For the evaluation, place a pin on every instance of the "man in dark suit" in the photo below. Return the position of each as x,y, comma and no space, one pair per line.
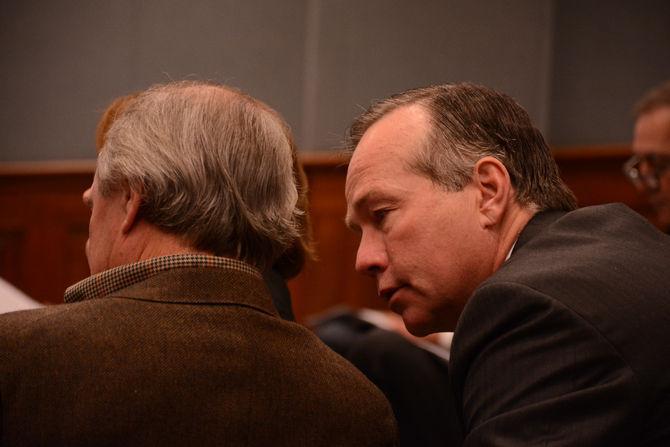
561,315
173,340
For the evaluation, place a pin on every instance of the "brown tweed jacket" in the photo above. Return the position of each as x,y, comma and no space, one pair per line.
180,356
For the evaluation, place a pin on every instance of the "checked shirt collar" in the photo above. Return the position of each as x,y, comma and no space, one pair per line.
112,280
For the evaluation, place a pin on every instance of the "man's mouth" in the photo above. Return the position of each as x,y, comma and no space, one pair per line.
387,293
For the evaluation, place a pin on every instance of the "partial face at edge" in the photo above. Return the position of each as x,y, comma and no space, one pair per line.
652,136
104,228
424,245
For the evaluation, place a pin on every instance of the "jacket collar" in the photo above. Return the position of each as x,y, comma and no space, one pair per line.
196,279
535,225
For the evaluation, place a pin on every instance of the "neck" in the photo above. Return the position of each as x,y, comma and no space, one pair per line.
514,221
147,241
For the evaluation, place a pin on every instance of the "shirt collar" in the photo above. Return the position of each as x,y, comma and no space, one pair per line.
509,253
115,279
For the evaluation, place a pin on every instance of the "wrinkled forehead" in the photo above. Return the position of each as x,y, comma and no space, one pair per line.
384,157
371,168
391,142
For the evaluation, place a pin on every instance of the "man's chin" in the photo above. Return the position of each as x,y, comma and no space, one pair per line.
418,324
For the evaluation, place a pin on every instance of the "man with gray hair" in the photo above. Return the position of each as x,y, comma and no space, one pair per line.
173,340
561,315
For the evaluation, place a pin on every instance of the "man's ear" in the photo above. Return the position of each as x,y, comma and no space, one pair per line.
133,200
494,185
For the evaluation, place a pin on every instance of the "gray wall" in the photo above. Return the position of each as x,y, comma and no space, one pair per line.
575,65
606,55
373,48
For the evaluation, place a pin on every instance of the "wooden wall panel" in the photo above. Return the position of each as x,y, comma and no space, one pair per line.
43,204
43,225
330,280
12,243
596,176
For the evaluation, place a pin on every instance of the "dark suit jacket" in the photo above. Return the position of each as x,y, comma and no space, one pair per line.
187,357
568,344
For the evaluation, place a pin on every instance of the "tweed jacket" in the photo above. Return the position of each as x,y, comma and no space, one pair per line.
568,343
179,350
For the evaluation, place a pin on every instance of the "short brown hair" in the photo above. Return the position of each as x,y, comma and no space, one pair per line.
654,99
469,122
108,117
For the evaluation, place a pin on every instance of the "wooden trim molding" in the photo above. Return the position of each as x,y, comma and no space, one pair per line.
55,167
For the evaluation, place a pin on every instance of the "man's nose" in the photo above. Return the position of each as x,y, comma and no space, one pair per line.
648,176
371,257
86,197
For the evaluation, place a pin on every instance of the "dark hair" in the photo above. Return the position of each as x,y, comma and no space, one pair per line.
469,122
654,99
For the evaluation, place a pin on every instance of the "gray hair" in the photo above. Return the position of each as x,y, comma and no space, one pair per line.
211,164
469,122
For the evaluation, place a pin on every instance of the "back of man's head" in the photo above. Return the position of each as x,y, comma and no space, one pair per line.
212,166
469,122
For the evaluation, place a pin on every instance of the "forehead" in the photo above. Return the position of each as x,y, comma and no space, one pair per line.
652,131
388,146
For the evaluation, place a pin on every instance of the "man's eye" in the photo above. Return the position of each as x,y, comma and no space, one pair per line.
379,215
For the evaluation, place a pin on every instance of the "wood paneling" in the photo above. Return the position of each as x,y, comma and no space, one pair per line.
330,280
43,227
596,176
43,224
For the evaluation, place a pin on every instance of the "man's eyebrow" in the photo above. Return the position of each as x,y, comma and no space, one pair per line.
350,224
364,201
357,205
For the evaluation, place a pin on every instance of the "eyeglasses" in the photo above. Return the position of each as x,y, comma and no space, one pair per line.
645,171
